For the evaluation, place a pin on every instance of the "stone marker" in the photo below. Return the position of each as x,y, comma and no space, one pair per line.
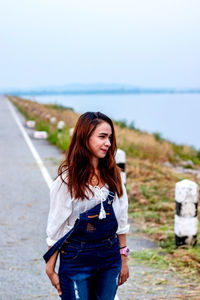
71,131
120,159
30,123
40,135
60,125
186,220
53,120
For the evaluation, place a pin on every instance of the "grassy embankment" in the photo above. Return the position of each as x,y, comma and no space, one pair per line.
150,183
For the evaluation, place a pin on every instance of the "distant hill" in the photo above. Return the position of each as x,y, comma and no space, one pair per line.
78,89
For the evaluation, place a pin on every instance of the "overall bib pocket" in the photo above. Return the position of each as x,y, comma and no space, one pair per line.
69,252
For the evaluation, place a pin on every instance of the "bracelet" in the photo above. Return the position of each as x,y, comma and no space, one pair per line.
122,247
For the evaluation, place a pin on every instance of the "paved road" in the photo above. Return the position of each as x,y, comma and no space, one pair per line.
24,203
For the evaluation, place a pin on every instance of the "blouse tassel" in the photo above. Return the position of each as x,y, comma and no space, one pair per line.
102,214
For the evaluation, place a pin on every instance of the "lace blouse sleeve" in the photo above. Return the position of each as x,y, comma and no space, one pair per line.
123,226
59,212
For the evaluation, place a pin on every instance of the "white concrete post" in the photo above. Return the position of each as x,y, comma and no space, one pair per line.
186,220
60,125
30,123
71,131
42,135
53,120
120,159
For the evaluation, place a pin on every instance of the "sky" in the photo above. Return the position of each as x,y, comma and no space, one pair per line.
146,43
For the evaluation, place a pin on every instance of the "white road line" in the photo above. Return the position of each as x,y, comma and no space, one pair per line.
39,161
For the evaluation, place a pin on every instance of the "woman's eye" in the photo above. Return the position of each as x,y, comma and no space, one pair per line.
103,136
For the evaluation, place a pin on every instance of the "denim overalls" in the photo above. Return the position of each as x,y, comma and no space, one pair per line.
90,261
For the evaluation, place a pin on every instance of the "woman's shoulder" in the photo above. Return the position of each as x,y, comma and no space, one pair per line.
124,195
60,182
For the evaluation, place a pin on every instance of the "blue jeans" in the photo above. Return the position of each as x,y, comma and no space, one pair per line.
90,271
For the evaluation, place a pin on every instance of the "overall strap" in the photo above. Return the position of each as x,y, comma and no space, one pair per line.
59,243
111,195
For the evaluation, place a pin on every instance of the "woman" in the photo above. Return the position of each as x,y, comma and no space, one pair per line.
87,222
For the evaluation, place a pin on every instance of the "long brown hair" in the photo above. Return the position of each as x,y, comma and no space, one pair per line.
77,164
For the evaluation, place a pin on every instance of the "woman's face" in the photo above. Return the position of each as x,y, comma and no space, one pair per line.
100,140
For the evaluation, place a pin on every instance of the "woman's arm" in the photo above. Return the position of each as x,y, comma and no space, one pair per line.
50,270
122,240
123,228
60,210
124,274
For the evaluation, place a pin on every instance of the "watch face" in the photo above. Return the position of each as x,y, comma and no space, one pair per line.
125,251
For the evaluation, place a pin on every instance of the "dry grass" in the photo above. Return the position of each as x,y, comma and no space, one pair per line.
144,145
35,110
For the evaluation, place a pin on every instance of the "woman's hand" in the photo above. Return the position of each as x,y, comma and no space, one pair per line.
124,273
50,270
54,278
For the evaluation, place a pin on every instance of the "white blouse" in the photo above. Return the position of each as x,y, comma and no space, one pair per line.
64,210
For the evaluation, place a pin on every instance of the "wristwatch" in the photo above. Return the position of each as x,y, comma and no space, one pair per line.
125,251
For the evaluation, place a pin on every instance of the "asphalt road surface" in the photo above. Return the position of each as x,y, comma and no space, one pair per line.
24,204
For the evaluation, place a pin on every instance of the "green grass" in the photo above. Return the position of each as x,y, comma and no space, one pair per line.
133,151
60,139
24,112
42,125
178,150
124,124
158,136
155,258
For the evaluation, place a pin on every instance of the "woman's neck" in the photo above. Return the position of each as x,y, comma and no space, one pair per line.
96,179
95,162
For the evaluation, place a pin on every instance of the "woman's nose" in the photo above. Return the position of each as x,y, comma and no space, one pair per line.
108,143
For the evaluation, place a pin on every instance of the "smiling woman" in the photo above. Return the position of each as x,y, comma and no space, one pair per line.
87,221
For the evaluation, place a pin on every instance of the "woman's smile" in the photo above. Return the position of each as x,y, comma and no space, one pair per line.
104,150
